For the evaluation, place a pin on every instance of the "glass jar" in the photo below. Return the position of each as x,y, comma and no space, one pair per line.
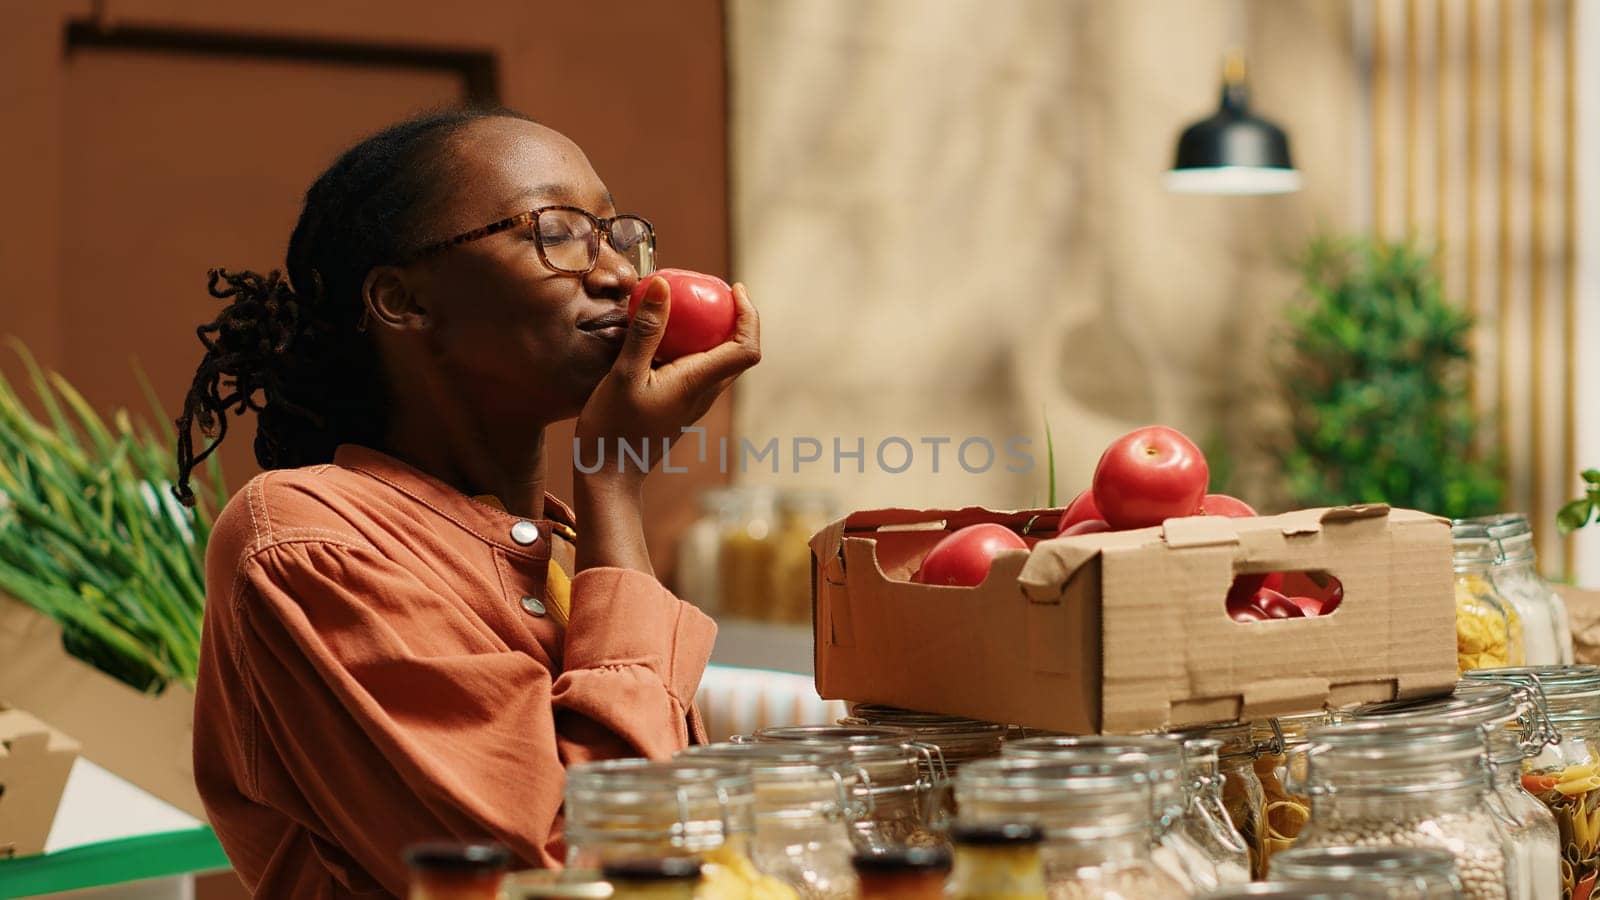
898,785
803,807
1506,712
668,878
1162,758
1099,821
1280,764
801,514
1546,629
555,884
1564,774
1205,820
906,873
699,578
625,809
1382,784
745,559
1488,630
1404,873
958,741
1242,796
445,870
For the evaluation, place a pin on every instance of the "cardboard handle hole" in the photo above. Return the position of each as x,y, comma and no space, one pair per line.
1262,596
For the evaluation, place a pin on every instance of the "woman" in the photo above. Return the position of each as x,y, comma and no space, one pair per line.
393,649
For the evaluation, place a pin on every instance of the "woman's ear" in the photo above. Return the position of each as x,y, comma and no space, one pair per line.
392,302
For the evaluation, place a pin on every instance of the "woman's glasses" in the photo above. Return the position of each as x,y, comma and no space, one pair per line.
568,238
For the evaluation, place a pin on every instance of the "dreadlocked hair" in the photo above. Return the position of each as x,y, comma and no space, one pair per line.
290,346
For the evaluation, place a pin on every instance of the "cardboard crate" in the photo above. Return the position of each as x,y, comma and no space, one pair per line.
35,761
1128,631
144,738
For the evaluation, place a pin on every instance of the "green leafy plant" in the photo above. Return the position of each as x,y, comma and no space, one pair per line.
1583,510
1378,385
91,536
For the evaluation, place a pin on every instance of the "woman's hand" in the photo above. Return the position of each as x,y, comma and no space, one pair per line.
646,409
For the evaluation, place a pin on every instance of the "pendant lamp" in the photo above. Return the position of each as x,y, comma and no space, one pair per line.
1234,151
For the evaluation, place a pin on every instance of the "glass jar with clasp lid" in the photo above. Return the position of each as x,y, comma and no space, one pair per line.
1515,718
1564,774
803,810
958,740
1402,873
1374,783
628,809
1546,629
898,783
1488,629
1205,819
1241,792
1279,763
1098,819
1162,758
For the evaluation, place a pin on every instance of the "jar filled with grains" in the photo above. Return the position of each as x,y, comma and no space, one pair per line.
1381,784
1507,712
1162,759
1565,775
1404,873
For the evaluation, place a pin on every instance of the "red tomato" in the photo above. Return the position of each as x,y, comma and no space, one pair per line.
700,312
1223,505
1311,606
963,557
1148,476
1087,526
1273,580
1081,509
1333,597
1276,605
1246,614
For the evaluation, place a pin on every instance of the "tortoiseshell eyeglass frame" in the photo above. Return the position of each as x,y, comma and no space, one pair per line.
602,227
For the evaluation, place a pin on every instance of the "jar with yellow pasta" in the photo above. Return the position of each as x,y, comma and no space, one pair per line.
1488,630
1280,763
1565,775
629,809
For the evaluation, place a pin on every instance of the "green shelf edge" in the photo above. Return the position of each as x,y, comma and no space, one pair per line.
113,862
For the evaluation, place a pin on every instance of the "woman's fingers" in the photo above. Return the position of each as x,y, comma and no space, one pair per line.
645,331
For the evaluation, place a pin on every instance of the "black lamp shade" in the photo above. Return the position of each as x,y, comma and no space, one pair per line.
1233,152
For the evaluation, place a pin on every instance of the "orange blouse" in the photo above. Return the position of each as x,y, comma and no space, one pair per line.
380,665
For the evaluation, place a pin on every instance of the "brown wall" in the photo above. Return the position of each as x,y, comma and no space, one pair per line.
151,139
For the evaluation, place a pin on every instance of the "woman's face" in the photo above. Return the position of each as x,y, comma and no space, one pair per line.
516,337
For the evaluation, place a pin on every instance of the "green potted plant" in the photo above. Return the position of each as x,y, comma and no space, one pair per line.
1378,385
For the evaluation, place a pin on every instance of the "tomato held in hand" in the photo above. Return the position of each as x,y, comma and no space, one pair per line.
700,313
1148,476
962,558
1223,505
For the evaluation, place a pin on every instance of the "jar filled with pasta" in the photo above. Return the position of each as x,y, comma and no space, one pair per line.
1162,761
1565,775
1384,784
627,809
897,787
1098,821
1546,628
1515,719
1402,873
1488,630
803,808
1281,743
1242,797
1206,820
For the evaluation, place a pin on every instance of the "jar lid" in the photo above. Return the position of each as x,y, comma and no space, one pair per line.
1385,749
666,868
675,803
1471,546
792,781
1381,864
1492,705
1237,738
1073,799
1300,890
1160,757
849,735
1512,535
902,860
1007,834
456,856
1560,685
